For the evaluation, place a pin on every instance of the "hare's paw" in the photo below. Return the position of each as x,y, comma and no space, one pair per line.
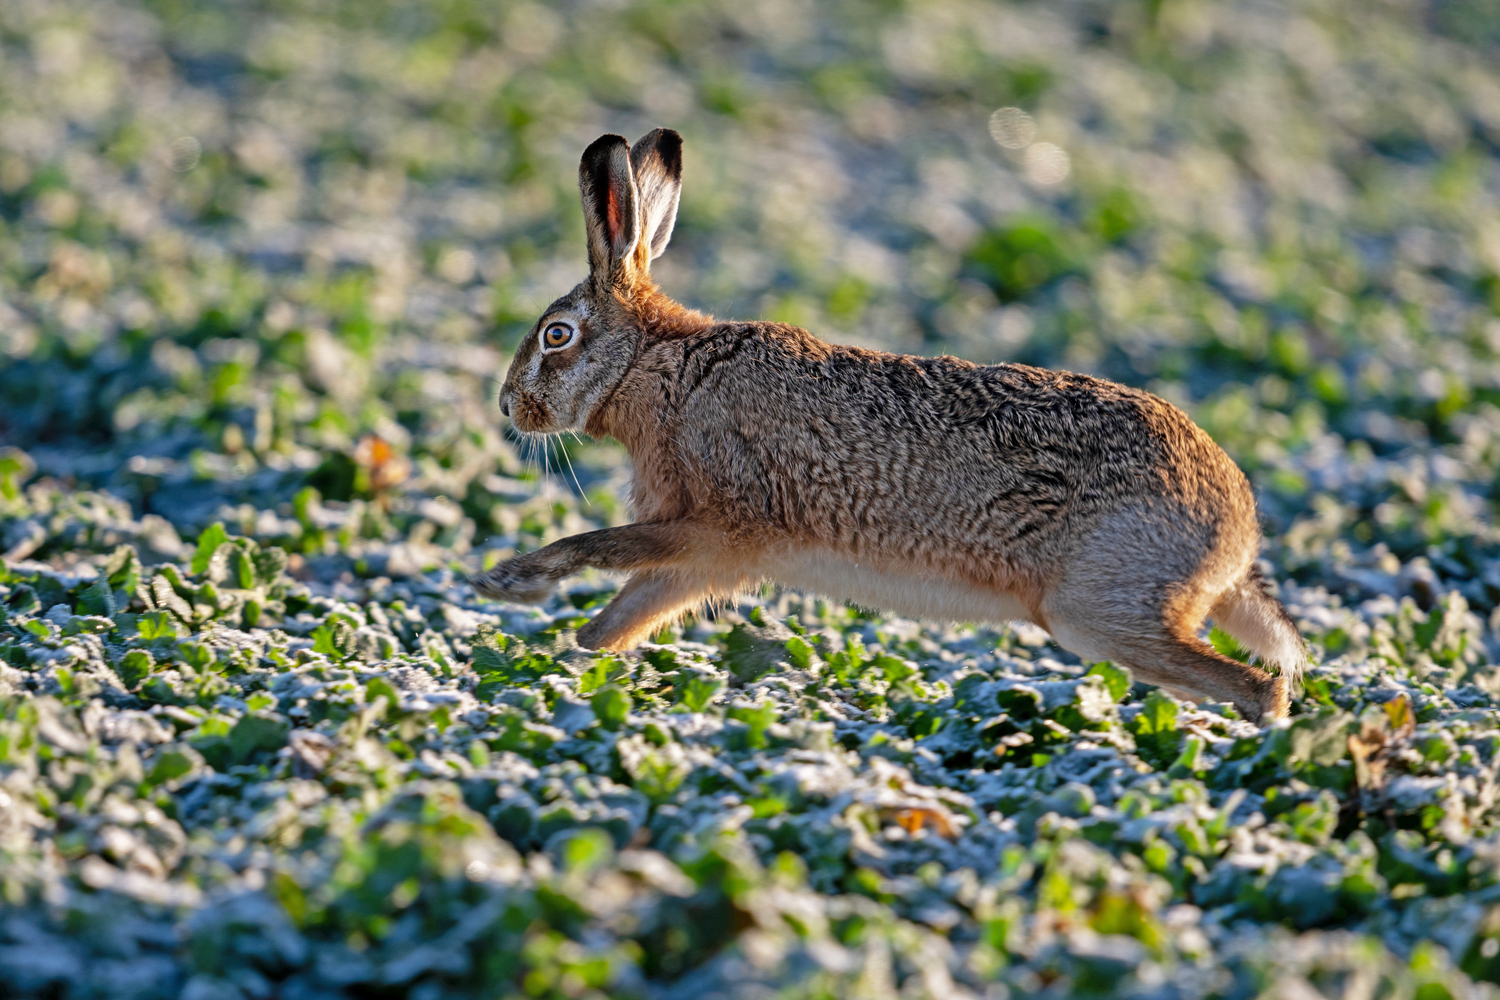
518,580
597,634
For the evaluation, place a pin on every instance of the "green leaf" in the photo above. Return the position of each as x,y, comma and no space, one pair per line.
164,590
1155,729
925,723
1117,680
587,849
799,653
379,687
123,570
24,600
173,764
1092,706
1020,701
98,599
1025,255
1188,762
15,468
91,624
489,652
1314,821
270,566
198,655
1322,739
611,705
156,689
135,667
698,692
752,651
208,542
257,732
758,718
285,890
1159,714
334,639
156,625
517,735
502,661
305,506
767,806
595,677
208,594
1318,689
655,774
1227,645
894,669
242,569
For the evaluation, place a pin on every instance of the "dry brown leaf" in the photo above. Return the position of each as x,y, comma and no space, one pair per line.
387,467
1399,711
1368,752
912,819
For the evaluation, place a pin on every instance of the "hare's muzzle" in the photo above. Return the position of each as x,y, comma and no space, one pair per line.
526,412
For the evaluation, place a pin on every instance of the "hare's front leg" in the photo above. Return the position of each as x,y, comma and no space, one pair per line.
529,578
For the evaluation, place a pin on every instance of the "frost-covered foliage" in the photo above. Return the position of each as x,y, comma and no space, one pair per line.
260,267
222,780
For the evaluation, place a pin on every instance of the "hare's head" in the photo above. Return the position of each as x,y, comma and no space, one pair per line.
584,343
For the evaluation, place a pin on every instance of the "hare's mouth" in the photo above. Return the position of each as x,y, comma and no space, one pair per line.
530,414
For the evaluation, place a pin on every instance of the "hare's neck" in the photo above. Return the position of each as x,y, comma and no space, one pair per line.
658,483
639,416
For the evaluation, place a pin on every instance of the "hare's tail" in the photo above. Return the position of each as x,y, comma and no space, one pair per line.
1258,620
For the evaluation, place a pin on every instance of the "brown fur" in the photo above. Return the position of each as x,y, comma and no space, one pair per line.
927,486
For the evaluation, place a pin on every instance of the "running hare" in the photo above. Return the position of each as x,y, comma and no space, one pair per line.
930,487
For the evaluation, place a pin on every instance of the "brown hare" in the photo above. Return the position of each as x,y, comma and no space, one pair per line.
929,487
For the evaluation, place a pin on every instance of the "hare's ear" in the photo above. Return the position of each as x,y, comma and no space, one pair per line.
610,209
657,162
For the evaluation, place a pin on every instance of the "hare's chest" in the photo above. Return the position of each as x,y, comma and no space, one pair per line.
904,590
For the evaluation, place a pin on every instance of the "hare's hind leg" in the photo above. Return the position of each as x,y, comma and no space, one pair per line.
1137,594
1183,664
1191,666
1260,622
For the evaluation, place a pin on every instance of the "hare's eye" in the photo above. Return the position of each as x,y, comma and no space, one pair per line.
557,335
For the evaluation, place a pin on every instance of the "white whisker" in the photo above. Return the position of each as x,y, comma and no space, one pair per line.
562,448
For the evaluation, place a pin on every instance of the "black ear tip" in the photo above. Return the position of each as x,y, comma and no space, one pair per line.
603,145
665,144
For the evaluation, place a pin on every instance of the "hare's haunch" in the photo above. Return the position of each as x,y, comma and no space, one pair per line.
930,487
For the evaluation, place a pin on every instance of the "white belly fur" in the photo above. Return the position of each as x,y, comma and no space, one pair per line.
904,592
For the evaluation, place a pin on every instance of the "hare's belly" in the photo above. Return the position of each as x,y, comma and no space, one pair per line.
898,590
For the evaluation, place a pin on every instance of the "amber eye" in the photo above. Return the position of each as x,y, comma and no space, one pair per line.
557,335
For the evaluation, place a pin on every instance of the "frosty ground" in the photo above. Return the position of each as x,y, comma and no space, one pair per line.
261,266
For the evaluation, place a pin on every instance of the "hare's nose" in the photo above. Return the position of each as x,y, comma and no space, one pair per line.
505,403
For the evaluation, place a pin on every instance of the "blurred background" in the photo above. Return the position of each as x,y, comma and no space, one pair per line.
265,261
262,267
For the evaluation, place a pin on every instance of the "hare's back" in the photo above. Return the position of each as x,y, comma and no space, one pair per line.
849,444
1057,436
